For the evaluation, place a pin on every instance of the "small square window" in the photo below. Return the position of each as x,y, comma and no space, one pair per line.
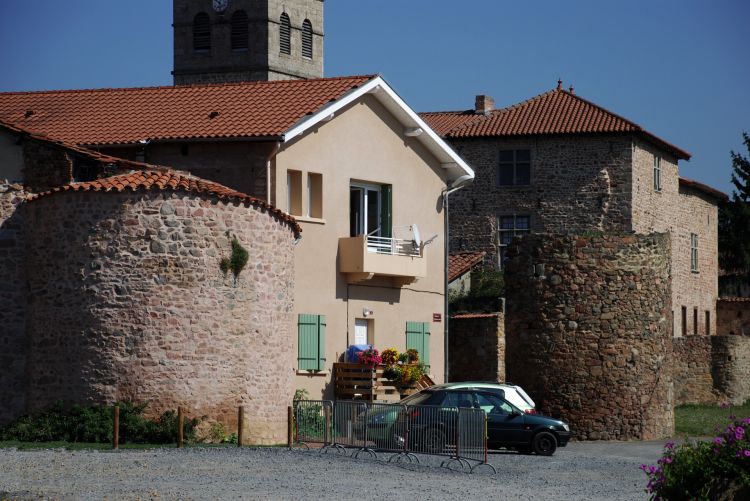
514,168
510,227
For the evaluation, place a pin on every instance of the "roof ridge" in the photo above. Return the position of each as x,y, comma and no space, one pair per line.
458,112
200,186
187,86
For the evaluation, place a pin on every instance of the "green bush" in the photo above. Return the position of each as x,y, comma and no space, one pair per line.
702,470
487,287
94,424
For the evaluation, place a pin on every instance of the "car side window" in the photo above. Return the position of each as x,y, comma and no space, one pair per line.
458,399
491,404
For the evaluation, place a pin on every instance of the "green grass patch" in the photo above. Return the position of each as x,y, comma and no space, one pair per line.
703,420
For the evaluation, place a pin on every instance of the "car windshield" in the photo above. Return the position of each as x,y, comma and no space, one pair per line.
418,398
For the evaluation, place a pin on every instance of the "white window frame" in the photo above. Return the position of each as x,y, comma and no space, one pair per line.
515,232
364,216
657,173
694,252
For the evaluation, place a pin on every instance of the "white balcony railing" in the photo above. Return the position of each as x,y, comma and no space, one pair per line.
393,246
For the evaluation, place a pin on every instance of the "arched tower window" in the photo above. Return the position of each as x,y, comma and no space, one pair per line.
239,30
307,39
285,34
201,32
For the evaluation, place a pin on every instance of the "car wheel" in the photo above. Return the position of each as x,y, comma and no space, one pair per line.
434,441
544,443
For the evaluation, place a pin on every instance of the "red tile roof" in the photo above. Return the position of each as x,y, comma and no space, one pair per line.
735,299
121,116
475,315
704,188
443,122
174,181
93,155
555,112
461,262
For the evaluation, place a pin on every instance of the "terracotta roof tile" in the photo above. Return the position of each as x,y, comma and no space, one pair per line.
461,262
555,112
704,188
85,152
735,299
475,315
173,181
121,116
443,122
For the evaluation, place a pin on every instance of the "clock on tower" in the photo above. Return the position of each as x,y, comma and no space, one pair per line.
221,5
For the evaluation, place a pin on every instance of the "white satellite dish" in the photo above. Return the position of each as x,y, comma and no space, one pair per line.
417,238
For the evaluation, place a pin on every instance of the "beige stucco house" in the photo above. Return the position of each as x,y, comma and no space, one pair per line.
360,172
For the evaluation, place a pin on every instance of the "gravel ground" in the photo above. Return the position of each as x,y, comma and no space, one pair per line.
587,470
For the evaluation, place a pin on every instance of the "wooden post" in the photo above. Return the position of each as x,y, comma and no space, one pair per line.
326,434
180,425
290,426
240,425
116,427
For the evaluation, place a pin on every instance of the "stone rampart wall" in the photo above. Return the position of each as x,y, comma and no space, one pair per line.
12,301
693,381
127,302
477,347
587,331
730,361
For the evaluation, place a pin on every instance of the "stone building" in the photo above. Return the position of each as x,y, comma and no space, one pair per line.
246,40
558,163
114,289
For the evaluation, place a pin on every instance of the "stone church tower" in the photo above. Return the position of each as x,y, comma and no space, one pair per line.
244,40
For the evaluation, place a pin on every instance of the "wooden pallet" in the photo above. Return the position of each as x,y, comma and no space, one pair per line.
356,381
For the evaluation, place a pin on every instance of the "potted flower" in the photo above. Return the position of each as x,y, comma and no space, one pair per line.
370,357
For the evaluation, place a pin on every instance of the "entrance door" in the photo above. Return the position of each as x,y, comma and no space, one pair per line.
360,331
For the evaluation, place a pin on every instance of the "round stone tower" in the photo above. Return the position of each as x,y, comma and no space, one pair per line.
128,301
587,331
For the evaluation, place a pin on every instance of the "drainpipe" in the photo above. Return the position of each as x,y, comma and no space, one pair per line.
271,154
454,186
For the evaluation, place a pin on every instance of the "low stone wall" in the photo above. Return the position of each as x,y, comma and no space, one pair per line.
733,316
12,302
692,362
477,347
127,302
730,360
587,331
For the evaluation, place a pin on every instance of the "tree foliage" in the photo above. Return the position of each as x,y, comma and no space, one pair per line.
734,216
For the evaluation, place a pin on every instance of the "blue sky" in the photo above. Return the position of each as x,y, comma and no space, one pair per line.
677,68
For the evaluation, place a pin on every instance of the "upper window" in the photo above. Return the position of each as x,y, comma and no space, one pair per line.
370,210
201,33
307,39
514,168
239,34
285,34
693,252
657,173
508,228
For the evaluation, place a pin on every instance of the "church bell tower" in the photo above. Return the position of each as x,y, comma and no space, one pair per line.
219,41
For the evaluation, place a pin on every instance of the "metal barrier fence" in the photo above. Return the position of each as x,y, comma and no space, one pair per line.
460,434
312,422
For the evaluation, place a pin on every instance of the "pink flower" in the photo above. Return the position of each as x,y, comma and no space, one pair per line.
718,440
669,445
746,453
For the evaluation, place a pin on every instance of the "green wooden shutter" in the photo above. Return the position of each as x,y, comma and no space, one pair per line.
418,337
386,211
311,338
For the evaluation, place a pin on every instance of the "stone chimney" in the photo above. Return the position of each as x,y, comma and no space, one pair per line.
484,105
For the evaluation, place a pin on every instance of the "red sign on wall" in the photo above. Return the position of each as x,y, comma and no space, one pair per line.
437,317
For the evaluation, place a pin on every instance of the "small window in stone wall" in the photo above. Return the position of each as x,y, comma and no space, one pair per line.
657,173
240,30
684,320
695,321
693,252
307,39
708,323
285,34
514,168
85,171
509,227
